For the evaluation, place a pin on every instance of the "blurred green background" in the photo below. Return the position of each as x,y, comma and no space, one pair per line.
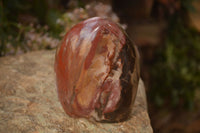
167,33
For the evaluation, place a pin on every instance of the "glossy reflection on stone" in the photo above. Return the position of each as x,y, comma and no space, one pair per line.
97,71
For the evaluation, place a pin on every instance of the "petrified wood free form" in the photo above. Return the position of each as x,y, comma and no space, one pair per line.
97,71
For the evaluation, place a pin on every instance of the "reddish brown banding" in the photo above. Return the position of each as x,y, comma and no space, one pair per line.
96,70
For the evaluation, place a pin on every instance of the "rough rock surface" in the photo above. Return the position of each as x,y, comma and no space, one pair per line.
29,102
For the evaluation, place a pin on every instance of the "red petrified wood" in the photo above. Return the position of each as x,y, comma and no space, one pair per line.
97,71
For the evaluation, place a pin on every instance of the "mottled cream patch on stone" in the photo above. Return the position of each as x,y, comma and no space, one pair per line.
85,47
74,40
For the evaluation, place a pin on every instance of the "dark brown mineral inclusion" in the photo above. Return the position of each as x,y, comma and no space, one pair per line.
97,71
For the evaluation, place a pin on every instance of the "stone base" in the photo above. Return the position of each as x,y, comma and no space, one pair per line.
29,102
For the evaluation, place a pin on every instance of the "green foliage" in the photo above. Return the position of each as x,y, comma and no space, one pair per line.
187,5
38,12
176,69
81,3
51,20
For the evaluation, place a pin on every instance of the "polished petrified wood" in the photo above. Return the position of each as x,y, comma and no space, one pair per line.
97,71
